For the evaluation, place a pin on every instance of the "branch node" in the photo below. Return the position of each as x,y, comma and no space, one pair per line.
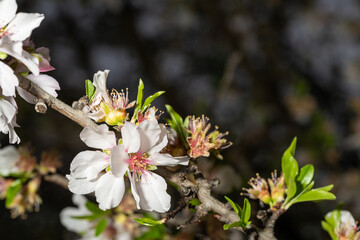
40,106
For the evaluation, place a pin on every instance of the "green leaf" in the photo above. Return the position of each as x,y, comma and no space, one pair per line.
293,200
89,88
290,170
149,100
326,188
139,98
176,122
236,207
100,227
330,229
246,213
88,217
11,192
148,221
315,195
195,202
235,224
305,176
92,207
155,233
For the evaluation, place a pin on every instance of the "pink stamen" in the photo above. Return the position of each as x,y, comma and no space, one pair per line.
138,164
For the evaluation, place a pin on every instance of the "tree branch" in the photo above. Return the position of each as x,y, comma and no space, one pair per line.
77,116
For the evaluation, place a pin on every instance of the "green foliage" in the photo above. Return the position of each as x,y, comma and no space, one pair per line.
176,122
150,99
244,214
148,221
195,202
100,227
331,220
11,192
95,210
139,99
299,184
156,232
90,89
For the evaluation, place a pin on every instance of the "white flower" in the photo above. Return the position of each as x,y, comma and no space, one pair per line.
137,154
83,226
8,110
9,157
15,28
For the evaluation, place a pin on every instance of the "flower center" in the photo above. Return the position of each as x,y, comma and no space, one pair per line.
138,163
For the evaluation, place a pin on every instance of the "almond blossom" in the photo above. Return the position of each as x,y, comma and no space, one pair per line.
107,108
86,228
137,154
14,29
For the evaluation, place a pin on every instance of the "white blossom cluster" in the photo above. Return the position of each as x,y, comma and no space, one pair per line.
19,57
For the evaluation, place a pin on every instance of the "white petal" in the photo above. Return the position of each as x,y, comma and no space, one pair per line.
130,137
149,135
100,138
167,160
109,191
26,95
152,192
7,11
99,80
7,110
118,161
45,82
88,164
8,80
13,137
23,24
9,156
133,188
15,49
67,215
162,142
81,185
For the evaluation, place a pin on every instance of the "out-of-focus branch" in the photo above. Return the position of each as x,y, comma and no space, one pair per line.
76,115
58,180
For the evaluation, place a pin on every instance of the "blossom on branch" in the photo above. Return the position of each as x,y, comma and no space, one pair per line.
105,107
8,110
137,153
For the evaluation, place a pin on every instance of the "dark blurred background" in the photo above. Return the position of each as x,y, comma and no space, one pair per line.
264,70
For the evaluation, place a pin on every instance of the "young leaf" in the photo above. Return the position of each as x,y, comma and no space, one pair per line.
326,188
315,195
236,207
11,192
88,217
148,221
306,175
176,122
149,100
89,88
235,224
246,213
290,169
330,229
92,207
195,202
139,98
100,227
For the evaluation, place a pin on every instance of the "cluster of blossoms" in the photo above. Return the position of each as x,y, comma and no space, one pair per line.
273,196
85,218
200,142
18,56
20,178
134,156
